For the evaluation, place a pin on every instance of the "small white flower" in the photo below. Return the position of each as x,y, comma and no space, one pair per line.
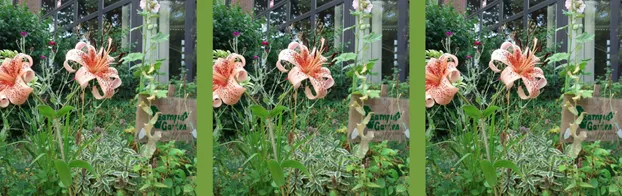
619,133
575,5
194,133
355,133
407,131
366,5
567,133
150,5
141,134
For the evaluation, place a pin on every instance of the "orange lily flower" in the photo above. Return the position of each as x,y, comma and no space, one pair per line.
307,65
439,75
95,65
227,73
14,76
519,66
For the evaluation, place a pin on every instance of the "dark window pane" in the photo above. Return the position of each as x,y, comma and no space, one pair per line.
300,7
86,7
172,21
535,2
278,16
322,2
389,37
48,5
260,5
512,28
331,21
301,28
109,2
512,7
543,21
473,6
597,22
491,16
88,29
65,16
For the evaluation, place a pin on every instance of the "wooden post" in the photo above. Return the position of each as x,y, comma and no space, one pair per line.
384,90
596,90
171,90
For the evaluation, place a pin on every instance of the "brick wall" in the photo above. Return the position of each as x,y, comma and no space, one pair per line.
246,5
459,5
34,5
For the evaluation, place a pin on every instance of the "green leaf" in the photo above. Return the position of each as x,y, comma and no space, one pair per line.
83,165
489,172
585,37
63,111
131,57
586,185
47,111
372,37
509,165
188,188
358,186
259,111
168,182
373,185
277,110
348,56
277,173
159,37
562,168
571,186
381,182
490,110
558,57
472,111
63,172
295,164
160,185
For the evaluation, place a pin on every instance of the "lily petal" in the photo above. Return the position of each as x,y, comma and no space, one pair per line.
231,93
444,93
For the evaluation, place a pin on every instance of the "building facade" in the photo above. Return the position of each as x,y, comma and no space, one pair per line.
84,17
390,19
602,19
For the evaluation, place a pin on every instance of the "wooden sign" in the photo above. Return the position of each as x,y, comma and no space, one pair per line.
389,121
601,121
177,119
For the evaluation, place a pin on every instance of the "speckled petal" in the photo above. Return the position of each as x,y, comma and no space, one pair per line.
18,93
444,93
296,76
508,76
318,86
216,102
231,93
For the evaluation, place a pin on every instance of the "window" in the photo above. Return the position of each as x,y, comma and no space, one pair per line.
512,7
543,23
86,7
300,7
473,6
491,16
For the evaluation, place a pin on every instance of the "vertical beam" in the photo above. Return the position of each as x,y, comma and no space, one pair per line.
402,42
100,17
376,47
589,24
137,20
615,39
312,17
163,48
562,20
348,20
190,39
